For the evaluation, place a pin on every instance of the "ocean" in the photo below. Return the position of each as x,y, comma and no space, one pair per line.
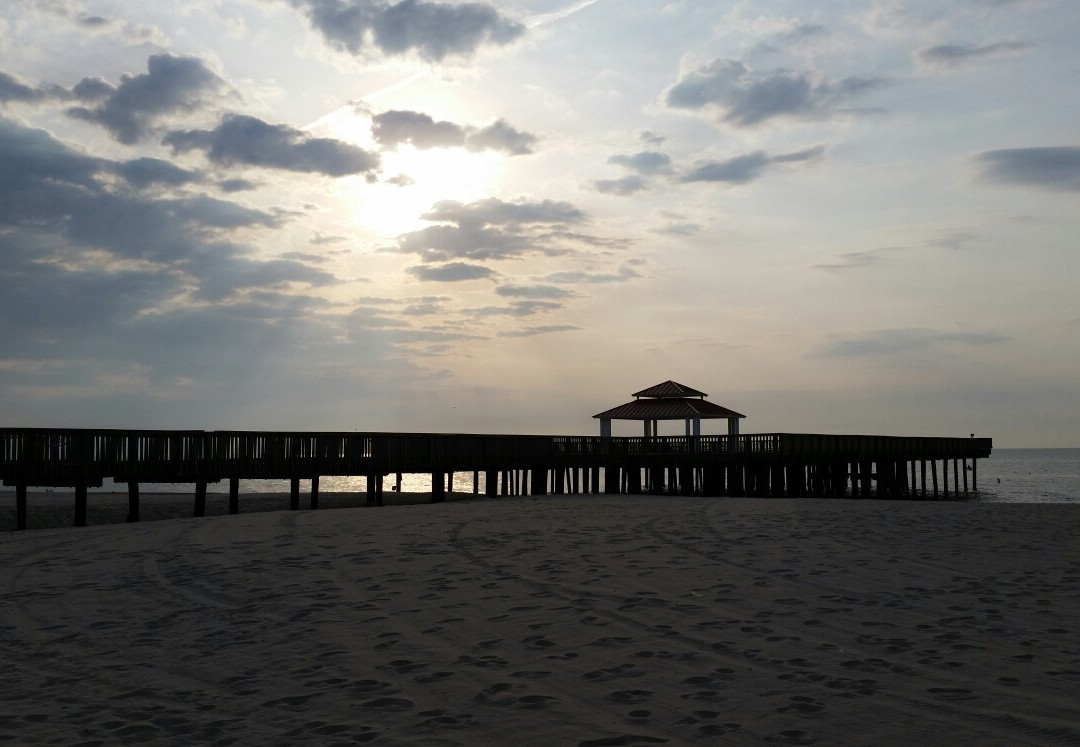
1008,476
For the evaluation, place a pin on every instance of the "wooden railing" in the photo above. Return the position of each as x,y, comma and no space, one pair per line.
71,456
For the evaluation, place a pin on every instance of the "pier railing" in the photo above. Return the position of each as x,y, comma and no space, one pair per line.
64,457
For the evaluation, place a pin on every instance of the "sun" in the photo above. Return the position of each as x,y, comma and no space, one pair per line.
414,180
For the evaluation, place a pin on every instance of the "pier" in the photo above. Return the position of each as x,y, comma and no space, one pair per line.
765,464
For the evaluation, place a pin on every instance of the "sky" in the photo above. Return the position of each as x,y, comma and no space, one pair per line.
506,217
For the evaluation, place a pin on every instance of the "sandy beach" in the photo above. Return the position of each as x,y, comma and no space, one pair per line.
587,620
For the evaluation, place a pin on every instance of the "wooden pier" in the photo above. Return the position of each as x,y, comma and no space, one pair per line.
768,464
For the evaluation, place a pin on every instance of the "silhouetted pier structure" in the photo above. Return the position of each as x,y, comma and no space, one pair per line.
767,464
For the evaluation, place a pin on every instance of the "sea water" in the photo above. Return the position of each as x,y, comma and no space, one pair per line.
1008,476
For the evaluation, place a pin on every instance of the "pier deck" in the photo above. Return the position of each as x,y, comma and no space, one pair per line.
789,464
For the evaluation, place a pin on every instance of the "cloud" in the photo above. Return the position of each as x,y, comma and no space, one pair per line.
392,128
1055,168
56,205
532,291
591,278
626,185
245,140
539,330
451,272
648,137
237,185
13,89
502,137
170,85
746,98
433,31
143,172
682,228
488,229
747,168
517,309
852,261
955,55
647,162
892,342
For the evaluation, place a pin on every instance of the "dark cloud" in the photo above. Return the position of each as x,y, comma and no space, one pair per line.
532,291
434,31
451,272
392,128
170,85
647,162
894,342
651,138
143,172
1056,168
954,55
746,97
13,89
538,330
92,89
49,191
500,136
248,141
623,186
237,185
747,168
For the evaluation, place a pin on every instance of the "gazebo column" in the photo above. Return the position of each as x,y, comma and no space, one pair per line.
696,434
733,433
605,428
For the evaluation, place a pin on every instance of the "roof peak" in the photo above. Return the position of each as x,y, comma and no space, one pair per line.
669,389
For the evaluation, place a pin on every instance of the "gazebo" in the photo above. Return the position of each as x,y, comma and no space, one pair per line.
670,401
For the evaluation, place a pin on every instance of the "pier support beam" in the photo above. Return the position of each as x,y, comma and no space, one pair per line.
539,481
200,498
491,483
80,504
612,479
133,502
438,487
234,495
294,494
314,492
20,507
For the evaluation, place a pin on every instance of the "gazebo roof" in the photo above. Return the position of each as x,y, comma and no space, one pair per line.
668,401
670,389
668,408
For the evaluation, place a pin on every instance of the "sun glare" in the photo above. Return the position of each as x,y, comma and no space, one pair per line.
414,180
411,180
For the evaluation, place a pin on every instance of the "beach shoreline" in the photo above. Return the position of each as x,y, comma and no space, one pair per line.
589,620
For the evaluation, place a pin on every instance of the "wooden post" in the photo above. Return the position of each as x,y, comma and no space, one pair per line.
450,482
369,485
294,494
505,482
80,504
560,481
379,501
945,477
956,478
20,506
476,482
965,470
234,495
491,483
539,481
200,498
933,472
595,480
922,467
612,479
438,487
397,482
314,492
975,475
913,486
133,502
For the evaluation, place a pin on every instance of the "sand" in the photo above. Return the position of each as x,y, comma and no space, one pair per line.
533,621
